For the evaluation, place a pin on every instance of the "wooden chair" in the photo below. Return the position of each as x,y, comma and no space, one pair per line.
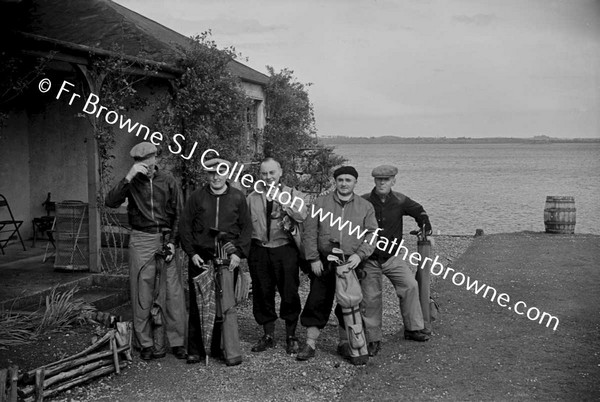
7,224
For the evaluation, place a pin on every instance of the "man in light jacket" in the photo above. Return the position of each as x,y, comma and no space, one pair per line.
330,224
273,259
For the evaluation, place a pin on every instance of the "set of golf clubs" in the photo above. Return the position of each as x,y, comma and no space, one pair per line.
334,256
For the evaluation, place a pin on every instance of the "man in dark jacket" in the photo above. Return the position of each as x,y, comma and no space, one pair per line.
330,224
154,206
390,207
215,216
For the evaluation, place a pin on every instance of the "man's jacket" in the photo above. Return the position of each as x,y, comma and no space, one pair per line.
389,215
227,212
321,236
275,236
153,204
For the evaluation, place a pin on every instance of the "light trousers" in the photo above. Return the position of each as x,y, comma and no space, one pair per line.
407,290
142,275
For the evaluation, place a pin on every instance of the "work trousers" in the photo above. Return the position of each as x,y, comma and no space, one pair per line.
274,269
320,299
225,337
142,275
407,289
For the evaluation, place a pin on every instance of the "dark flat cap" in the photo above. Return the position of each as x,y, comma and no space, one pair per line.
345,170
143,150
384,171
213,164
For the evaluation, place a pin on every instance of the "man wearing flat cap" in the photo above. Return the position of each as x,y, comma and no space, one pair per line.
215,225
321,235
390,206
154,206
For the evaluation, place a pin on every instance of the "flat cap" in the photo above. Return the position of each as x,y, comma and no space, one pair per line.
143,150
384,171
345,170
213,164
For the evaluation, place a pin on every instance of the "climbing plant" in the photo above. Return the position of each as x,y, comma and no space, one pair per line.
290,135
205,110
115,79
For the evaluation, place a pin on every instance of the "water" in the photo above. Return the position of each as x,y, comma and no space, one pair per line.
496,187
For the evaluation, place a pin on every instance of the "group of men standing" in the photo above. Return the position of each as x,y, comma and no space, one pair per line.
219,226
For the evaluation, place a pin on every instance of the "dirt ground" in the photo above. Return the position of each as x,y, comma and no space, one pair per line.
480,351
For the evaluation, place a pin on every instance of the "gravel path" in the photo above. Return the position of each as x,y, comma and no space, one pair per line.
267,376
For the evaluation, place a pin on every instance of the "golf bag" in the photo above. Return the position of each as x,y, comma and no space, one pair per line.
349,296
226,323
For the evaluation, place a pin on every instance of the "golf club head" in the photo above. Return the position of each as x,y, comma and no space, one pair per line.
217,233
333,258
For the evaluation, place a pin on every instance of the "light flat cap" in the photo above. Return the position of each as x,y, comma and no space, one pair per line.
384,171
213,164
143,150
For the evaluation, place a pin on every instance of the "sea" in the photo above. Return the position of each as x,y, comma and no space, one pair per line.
500,188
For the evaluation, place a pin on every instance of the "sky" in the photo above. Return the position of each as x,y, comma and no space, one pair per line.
410,68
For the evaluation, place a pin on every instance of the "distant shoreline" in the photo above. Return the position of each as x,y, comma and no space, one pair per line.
460,140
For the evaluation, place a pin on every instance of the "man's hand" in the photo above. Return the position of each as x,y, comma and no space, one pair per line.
197,261
317,267
426,227
353,261
137,167
235,262
172,252
229,248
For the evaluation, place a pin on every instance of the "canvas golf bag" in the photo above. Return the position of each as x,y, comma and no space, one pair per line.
349,295
226,323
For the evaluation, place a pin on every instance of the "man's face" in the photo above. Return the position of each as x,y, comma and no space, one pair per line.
150,163
344,184
217,181
270,172
383,185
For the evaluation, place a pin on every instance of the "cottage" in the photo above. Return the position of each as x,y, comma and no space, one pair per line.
46,143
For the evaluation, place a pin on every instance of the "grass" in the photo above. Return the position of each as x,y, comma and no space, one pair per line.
61,310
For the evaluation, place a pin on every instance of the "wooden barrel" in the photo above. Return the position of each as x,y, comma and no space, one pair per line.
559,214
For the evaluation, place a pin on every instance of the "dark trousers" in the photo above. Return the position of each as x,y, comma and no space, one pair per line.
320,299
274,269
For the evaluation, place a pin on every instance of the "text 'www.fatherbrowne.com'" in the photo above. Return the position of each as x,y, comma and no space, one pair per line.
458,278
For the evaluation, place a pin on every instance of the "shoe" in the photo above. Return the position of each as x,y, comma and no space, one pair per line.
193,359
179,352
359,360
146,353
264,343
234,361
158,355
374,348
416,336
426,331
343,349
306,353
292,345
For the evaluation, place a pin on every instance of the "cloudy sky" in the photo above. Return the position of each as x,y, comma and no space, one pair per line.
475,68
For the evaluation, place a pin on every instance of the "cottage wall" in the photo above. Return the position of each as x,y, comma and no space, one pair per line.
42,150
